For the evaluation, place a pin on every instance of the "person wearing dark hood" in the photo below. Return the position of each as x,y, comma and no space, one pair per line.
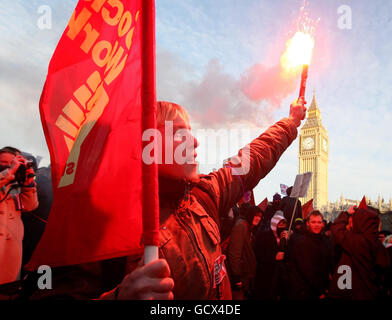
362,256
270,248
299,226
270,211
287,205
309,261
241,260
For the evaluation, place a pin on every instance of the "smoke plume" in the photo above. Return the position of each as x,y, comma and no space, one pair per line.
218,99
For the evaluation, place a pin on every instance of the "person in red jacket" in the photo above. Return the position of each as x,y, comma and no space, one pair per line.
362,255
15,197
191,264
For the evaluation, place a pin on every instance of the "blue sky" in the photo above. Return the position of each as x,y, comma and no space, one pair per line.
204,49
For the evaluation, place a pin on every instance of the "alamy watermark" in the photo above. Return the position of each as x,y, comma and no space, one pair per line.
45,281
45,17
179,147
345,280
345,20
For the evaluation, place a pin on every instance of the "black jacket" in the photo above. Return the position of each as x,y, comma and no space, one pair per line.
310,263
271,275
287,205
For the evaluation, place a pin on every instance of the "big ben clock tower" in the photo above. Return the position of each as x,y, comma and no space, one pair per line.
313,156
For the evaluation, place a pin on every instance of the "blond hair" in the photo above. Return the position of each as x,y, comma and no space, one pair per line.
167,111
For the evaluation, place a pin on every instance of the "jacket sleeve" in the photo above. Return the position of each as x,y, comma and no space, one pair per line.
228,185
348,240
29,198
235,249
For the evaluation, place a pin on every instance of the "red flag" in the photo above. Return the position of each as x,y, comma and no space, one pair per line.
363,204
263,204
307,208
99,92
247,197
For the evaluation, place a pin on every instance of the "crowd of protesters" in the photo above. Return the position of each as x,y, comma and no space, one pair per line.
348,259
270,254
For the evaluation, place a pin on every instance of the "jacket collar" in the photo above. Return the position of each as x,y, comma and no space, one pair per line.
171,191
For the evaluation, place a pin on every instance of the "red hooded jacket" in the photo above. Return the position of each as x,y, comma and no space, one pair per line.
362,252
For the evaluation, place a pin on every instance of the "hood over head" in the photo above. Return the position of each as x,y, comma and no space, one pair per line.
275,221
365,221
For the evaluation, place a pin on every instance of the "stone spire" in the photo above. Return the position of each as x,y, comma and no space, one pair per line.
314,111
314,114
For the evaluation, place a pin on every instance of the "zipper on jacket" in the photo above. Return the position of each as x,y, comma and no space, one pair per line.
197,245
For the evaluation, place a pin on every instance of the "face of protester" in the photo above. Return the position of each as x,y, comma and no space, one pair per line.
282,224
256,219
6,159
178,150
315,224
298,226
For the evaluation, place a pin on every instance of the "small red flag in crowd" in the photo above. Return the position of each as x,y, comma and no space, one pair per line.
307,208
248,197
99,91
263,204
363,204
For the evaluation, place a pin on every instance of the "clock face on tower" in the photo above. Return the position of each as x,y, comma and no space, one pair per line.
308,143
325,147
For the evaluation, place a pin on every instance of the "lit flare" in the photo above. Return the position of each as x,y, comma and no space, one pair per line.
299,51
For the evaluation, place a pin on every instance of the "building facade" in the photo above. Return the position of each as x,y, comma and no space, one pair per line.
313,156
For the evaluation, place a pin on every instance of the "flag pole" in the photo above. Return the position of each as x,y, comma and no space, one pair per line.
292,216
151,253
150,204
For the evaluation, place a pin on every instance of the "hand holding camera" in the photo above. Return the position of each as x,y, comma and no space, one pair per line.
16,163
22,170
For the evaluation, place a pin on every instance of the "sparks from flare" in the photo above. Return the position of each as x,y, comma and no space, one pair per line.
300,47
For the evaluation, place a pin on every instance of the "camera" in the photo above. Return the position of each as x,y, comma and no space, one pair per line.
20,174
